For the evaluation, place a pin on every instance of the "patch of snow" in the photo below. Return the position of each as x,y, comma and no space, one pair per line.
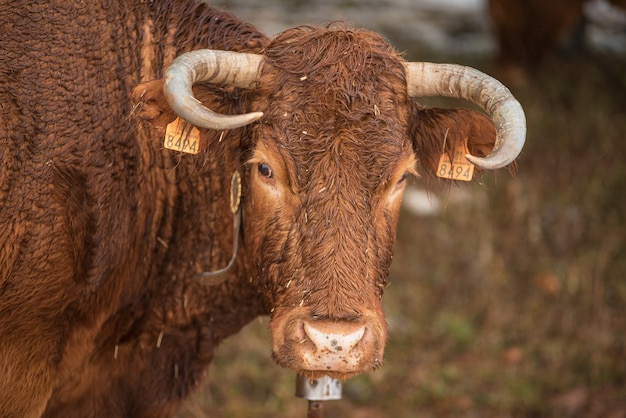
457,6
419,202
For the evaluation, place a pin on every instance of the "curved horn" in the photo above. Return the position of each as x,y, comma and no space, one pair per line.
220,67
448,80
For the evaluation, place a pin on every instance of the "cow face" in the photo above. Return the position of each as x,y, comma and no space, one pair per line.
326,173
325,166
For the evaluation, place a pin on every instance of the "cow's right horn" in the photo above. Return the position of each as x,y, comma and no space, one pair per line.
448,80
219,67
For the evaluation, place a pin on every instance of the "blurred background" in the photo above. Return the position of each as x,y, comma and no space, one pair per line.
507,295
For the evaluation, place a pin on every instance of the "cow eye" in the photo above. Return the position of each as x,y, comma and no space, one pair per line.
403,178
265,170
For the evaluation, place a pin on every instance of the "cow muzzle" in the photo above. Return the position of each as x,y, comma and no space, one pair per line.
340,348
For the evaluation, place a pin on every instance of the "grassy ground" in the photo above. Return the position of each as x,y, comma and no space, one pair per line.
511,302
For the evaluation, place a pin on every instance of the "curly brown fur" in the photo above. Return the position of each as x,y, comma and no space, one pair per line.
103,228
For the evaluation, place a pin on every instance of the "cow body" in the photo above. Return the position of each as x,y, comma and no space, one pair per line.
101,227
104,230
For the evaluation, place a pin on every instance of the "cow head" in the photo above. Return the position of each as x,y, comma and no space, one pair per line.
337,132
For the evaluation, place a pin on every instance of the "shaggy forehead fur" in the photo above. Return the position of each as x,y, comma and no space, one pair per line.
336,121
340,107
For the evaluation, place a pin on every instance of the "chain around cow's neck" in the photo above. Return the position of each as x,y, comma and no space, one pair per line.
212,278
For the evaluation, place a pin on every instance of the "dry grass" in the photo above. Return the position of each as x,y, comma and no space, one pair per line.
509,303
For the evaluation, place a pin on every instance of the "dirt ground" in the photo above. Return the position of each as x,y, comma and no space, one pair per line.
508,298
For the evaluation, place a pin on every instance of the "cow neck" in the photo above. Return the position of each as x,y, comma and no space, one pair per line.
212,278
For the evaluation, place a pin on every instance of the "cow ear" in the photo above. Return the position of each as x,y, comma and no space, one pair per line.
149,103
433,129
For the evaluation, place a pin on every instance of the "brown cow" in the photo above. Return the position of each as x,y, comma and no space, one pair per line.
527,31
104,307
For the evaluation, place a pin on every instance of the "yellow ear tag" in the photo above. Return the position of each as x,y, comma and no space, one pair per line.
457,169
182,136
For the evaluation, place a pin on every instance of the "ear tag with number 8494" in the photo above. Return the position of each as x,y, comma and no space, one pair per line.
458,168
182,136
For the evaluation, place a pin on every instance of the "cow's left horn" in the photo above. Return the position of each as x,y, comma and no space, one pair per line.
448,80
220,67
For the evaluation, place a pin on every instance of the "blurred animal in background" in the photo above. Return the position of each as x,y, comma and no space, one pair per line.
292,177
528,31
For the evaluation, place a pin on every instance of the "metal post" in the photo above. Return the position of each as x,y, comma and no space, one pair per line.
316,391
315,409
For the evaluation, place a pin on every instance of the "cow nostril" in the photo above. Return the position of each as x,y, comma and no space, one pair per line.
334,336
